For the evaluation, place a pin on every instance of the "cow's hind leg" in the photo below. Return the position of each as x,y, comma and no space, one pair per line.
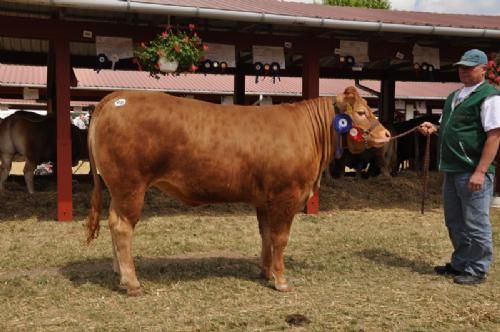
5,168
29,169
266,255
123,217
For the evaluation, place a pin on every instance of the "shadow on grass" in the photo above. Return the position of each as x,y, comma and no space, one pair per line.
167,269
382,256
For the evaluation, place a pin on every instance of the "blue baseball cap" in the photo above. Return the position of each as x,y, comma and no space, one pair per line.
472,58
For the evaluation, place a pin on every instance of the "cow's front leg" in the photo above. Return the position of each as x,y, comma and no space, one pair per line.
29,173
266,254
122,230
280,224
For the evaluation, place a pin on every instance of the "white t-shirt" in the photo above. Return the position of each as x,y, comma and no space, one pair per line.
490,109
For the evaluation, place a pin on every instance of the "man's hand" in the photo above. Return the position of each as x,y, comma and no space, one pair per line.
426,128
476,181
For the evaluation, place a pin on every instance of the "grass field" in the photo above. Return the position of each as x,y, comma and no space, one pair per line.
365,263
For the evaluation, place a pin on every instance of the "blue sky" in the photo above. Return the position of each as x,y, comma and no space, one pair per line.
476,7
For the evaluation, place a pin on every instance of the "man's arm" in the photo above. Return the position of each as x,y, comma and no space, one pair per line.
488,154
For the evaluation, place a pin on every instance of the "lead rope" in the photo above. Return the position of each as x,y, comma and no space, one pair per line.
425,174
426,171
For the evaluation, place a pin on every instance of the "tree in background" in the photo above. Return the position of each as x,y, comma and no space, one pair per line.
380,4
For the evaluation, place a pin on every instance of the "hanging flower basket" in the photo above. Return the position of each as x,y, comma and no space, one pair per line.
493,71
167,66
172,46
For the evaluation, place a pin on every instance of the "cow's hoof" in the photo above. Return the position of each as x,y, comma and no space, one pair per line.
283,287
134,292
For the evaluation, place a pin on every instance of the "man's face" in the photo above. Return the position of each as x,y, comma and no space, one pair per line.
470,76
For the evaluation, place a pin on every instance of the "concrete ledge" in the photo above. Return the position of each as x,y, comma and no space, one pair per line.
495,203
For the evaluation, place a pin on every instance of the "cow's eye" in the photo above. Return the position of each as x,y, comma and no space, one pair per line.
361,113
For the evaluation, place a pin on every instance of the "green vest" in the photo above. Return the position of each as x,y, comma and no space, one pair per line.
461,135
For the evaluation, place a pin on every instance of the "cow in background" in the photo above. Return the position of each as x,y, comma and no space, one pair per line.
33,136
269,156
357,156
411,148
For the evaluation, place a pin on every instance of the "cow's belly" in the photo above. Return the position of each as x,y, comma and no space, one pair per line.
199,194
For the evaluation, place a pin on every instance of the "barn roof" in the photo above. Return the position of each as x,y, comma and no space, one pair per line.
88,79
305,10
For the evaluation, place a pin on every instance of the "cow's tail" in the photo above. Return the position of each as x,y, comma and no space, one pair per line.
94,216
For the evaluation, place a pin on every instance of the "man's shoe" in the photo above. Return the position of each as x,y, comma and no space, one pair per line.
446,269
467,279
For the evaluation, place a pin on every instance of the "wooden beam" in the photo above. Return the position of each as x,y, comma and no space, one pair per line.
62,106
239,81
386,101
310,89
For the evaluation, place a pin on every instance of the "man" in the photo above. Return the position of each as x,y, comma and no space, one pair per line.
80,122
469,136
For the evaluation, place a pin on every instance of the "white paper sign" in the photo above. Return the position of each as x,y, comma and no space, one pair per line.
30,93
221,53
356,49
399,104
114,47
429,55
269,54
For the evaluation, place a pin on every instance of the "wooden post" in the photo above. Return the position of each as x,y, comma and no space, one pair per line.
310,89
387,102
239,81
62,106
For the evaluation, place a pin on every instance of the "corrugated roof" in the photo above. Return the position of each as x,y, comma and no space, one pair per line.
13,75
89,79
224,84
339,13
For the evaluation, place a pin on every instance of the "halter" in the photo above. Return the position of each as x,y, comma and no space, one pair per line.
365,132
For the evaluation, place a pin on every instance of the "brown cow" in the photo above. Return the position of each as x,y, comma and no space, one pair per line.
269,156
33,136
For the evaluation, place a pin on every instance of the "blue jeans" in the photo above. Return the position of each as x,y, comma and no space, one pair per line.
467,216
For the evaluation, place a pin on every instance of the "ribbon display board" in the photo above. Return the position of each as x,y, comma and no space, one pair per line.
268,55
221,53
112,49
357,50
426,56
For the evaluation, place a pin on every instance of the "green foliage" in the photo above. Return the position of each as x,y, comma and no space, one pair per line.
184,46
380,4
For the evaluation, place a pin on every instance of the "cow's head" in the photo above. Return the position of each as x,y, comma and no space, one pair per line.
367,131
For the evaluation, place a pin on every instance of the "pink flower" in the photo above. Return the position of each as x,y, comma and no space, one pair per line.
497,80
194,68
143,45
164,34
191,27
205,47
